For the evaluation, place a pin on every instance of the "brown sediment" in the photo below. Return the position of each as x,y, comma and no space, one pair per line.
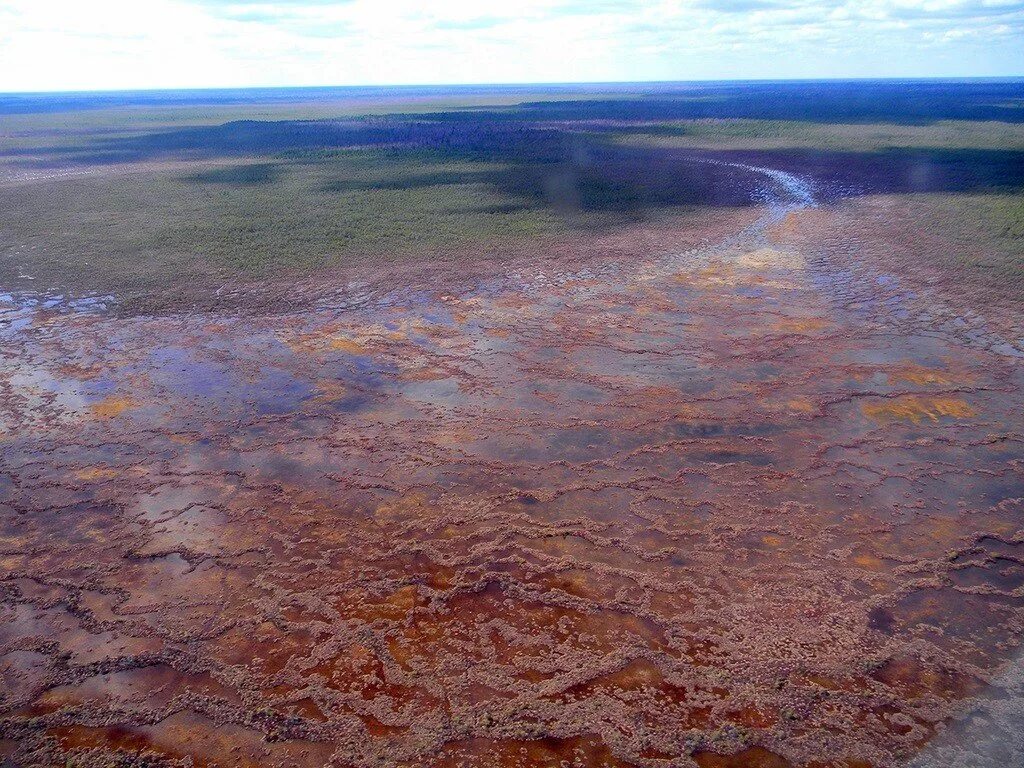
733,507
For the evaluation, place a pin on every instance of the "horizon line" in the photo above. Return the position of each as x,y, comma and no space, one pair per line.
516,84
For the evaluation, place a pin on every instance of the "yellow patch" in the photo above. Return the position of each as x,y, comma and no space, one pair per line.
802,325
917,409
403,599
770,258
919,374
786,227
96,473
800,405
715,273
870,562
112,406
341,344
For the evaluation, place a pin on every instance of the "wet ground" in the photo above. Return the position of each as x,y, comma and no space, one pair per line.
756,504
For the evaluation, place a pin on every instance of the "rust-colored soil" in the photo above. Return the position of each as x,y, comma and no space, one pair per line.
753,505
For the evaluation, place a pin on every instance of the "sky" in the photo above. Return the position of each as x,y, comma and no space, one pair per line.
50,45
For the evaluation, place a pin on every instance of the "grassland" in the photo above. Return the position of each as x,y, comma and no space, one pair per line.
979,237
141,192
849,137
257,218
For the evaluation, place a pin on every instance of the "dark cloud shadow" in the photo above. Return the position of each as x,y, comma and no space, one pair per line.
250,174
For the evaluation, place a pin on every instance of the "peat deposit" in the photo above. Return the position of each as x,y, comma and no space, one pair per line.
756,503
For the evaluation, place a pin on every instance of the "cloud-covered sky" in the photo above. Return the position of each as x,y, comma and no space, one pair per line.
101,44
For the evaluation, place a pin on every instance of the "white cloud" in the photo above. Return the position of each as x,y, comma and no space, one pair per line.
68,44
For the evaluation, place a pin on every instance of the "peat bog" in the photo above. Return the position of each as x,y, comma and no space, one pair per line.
657,426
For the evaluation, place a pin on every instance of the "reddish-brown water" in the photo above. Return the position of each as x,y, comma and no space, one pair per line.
753,505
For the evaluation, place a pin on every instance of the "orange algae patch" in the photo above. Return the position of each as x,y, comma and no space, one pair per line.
787,226
919,374
713,274
96,473
917,409
868,562
187,736
394,607
332,337
340,344
800,405
690,413
802,325
112,406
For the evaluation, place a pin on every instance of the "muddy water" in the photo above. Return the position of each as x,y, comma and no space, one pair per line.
743,506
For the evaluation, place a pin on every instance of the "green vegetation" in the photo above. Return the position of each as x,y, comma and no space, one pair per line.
138,192
987,231
847,137
1004,216
257,218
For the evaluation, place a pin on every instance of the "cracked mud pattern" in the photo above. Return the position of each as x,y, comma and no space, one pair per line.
753,505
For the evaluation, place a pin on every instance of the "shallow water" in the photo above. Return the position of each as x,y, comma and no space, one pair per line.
739,506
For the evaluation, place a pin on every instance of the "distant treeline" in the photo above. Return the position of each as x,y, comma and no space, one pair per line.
568,151
823,101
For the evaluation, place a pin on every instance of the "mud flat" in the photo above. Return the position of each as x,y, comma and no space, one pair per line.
741,505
